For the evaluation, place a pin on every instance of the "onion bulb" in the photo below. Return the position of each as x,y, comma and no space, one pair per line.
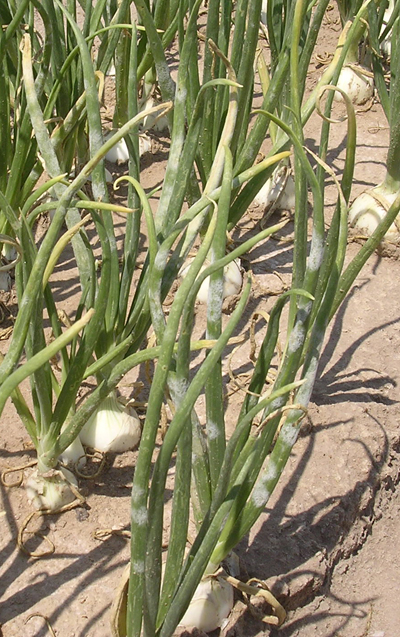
368,210
211,604
74,455
386,44
153,120
232,279
278,192
119,153
356,81
112,427
111,70
108,176
5,281
52,490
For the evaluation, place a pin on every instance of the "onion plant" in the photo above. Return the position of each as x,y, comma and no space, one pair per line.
60,91
222,483
59,86
372,206
110,344
54,423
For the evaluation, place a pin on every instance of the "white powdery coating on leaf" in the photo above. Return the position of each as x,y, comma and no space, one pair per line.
181,95
157,314
96,140
288,435
270,472
217,290
137,493
260,496
139,516
179,387
164,78
161,259
138,567
307,308
276,404
261,493
296,339
168,189
212,430
215,298
317,252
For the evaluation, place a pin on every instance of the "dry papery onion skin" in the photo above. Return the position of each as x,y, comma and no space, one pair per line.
211,605
53,492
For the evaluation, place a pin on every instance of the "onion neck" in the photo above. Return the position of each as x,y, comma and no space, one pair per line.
391,183
352,55
392,179
393,157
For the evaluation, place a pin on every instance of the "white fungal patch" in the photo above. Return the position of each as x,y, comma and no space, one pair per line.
217,290
276,404
217,294
96,140
166,192
160,259
137,493
270,472
138,567
296,338
260,496
317,252
261,492
181,94
288,435
180,388
212,430
139,516
307,308
157,312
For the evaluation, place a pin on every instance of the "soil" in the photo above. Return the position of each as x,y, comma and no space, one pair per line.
328,543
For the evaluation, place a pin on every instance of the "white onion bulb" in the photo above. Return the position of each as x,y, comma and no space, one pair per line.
386,44
119,153
278,192
211,604
74,455
112,427
232,279
5,281
53,492
356,83
367,211
108,176
111,71
159,124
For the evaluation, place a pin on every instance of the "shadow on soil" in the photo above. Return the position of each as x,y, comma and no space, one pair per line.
97,564
307,546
